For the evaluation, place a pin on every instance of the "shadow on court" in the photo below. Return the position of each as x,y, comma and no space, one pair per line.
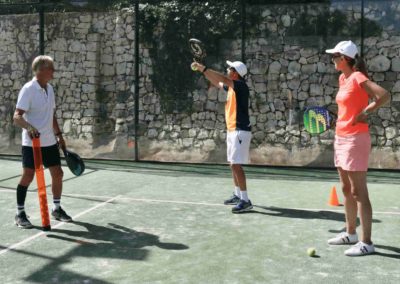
218,171
96,242
302,214
94,199
395,255
306,173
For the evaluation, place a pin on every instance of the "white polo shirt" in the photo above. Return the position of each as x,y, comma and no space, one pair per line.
39,108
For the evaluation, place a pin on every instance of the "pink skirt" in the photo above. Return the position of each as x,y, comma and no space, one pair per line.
352,152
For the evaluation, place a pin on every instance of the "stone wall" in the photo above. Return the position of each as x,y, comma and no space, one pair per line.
281,63
297,64
94,62
17,46
94,83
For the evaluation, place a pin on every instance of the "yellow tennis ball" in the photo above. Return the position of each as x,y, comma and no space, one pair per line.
311,252
194,68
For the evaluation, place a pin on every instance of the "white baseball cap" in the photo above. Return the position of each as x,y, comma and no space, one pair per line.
346,47
239,67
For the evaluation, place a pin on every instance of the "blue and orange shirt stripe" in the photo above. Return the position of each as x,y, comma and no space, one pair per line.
237,107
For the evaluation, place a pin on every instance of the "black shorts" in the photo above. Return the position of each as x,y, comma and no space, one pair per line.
50,156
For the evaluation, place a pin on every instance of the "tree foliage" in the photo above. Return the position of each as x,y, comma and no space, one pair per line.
167,26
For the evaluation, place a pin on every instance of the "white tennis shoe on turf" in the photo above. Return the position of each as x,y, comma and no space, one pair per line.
360,249
343,239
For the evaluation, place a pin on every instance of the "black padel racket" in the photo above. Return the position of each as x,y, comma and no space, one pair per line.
197,49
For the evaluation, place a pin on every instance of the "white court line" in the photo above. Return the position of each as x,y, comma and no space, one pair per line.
145,200
172,201
208,204
215,204
15,246
218,204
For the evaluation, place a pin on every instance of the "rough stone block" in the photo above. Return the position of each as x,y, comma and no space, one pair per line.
379,63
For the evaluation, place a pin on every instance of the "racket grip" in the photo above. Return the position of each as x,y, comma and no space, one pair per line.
44,208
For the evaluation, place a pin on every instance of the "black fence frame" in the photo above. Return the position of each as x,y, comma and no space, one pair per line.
41,6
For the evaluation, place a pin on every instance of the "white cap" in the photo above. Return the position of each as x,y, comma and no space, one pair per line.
239,67
346,47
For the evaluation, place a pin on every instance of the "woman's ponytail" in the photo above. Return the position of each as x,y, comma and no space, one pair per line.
358,64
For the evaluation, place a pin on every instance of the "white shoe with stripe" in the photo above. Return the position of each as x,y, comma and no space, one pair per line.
343,239
360,249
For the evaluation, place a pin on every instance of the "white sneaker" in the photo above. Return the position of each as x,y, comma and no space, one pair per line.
360,249
343,239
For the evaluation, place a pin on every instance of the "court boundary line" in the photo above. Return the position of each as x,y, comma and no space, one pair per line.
205,203
216,204
35,189
6,179
31,238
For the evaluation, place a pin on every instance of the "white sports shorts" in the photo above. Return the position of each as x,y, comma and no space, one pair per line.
238,146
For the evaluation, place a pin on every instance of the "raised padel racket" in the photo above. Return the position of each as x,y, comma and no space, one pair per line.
197,49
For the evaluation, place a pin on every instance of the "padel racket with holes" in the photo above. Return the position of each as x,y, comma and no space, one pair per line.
39,171
197,49
74,162
317,120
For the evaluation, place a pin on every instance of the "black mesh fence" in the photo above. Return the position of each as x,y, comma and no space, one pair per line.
167,112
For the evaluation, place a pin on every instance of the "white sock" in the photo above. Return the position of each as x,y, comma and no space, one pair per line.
243,195
56,204
20,209
237,191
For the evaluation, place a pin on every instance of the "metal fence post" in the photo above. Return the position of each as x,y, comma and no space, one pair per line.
362,28
243,20
136,80
41,29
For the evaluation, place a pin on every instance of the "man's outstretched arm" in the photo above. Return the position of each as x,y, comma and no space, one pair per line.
213,76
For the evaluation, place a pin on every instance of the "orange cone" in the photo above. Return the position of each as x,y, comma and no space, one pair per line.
333,198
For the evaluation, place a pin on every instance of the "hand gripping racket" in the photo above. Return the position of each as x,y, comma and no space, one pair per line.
39,171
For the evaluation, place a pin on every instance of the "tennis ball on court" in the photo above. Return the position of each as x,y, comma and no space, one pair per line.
311,252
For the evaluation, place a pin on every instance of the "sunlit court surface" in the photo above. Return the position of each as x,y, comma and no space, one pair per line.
163,223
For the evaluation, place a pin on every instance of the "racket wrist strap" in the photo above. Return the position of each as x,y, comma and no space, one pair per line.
365,112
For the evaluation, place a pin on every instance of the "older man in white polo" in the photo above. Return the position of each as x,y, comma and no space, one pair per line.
35,113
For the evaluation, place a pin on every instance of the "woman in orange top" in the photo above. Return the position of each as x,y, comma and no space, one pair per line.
353,143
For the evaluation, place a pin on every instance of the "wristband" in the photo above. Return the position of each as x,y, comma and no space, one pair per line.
204,70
